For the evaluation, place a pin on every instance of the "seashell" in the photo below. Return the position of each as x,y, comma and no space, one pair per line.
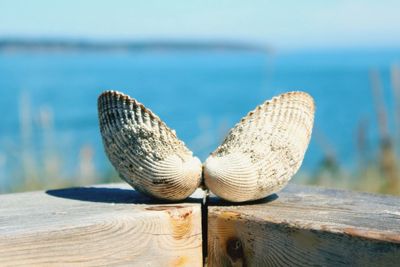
145,152
263,151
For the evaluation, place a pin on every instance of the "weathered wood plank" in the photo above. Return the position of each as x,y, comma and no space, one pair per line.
99,226
306,226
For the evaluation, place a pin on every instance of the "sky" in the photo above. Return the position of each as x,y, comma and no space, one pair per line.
284,24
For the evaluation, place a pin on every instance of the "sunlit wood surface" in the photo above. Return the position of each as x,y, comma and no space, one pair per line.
109,225
306,226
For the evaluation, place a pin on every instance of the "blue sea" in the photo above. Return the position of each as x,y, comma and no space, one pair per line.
48,100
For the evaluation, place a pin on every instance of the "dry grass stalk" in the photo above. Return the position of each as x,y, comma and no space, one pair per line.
387,154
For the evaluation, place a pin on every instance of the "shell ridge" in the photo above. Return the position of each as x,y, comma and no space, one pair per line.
137,103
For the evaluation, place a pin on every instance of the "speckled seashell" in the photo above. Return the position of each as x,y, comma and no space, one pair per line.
263,151
145,152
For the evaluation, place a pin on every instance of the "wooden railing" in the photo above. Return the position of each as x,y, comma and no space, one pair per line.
108,225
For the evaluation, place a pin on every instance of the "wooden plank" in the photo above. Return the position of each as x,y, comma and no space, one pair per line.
306,226
106,225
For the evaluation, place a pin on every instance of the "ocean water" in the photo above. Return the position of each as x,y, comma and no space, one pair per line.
48,100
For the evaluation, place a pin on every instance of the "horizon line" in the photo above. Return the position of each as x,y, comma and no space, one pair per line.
65,43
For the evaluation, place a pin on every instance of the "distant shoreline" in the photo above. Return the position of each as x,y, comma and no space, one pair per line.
11,45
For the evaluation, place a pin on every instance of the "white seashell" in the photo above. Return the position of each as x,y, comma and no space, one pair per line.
146,153
263,151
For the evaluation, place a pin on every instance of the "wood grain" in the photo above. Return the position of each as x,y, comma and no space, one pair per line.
98,226
113,225
306,226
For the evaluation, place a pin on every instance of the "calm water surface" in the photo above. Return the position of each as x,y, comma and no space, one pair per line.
199,94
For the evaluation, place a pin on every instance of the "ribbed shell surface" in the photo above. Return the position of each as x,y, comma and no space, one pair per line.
145,152
263,151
